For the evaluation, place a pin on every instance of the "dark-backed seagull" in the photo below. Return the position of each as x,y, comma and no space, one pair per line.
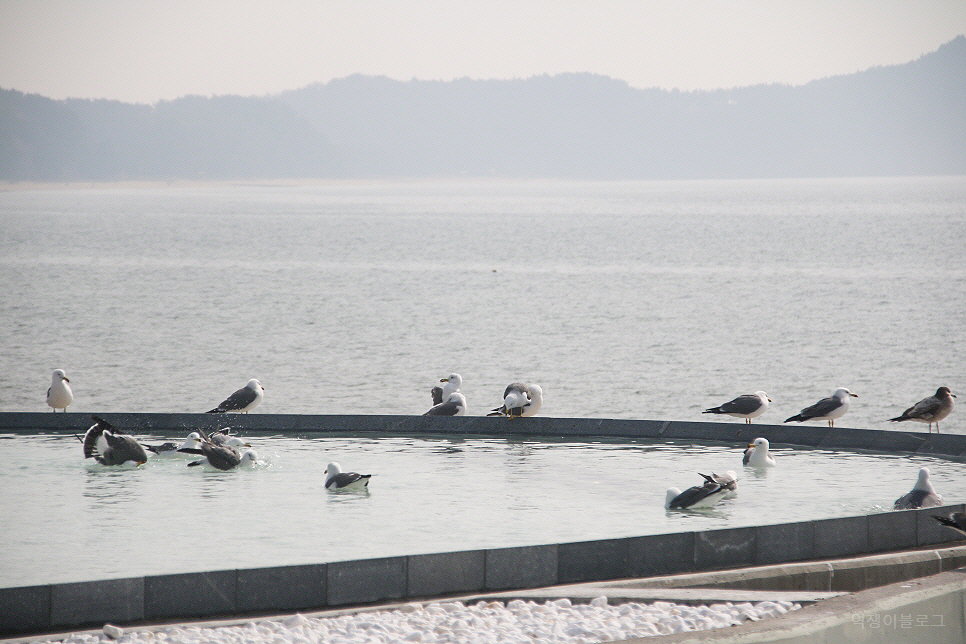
520,400
923,495
756,454
746,406
956,521
827,408
699,496
59,395
454,405
336,479
221,457
110,446
242,401
930,410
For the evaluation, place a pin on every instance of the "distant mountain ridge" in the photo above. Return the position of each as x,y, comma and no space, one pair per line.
905,119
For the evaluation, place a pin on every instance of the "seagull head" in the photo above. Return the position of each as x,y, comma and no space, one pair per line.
454,378
332,469
254,385
844,393
763,395
59,374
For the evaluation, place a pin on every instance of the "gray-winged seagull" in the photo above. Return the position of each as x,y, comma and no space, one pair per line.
242,401
746,406
827,408
520,400
956,521
923,495
454,405
699,496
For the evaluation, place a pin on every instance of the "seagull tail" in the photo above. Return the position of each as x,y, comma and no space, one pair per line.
796,418
713,410
216,410
898,418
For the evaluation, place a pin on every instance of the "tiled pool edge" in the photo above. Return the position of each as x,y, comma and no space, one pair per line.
288,588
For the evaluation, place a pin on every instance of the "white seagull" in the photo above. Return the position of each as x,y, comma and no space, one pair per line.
828,409
453,405
242,401
59,395
520,400
453,383
336,479
171,449
746,406
923,494
931,409
756,454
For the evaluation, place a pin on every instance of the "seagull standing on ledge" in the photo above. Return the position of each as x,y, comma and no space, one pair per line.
930,410
242,401
747,406
454,405
59,395
828,409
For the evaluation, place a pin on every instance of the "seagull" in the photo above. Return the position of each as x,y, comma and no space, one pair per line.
110,446
171,449
827,408
59,395
931,409
224,438
520,400
454,405
746,406
453,383
923,494
756,454
956,521
728,480
242,401
336,479
222,457
437,394
697,497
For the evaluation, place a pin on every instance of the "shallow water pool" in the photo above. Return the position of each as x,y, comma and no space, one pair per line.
68,519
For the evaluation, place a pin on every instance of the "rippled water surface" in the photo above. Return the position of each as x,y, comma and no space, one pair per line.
67,519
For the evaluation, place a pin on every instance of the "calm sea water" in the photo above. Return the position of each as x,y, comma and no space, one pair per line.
66,519
625,300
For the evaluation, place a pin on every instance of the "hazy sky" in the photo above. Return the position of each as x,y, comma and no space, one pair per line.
147,50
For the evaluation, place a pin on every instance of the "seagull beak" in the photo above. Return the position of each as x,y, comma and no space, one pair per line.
66,379
769,400
853,395
751,444
444,379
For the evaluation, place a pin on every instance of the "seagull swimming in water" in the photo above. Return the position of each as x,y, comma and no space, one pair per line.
701,496
756,454
923,494
931,409
221,457
746,406
110,446
172,449
59,395
520,400
242,401
454,405
336,479
828,409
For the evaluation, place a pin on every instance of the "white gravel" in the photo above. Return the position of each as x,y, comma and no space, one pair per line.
480,623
